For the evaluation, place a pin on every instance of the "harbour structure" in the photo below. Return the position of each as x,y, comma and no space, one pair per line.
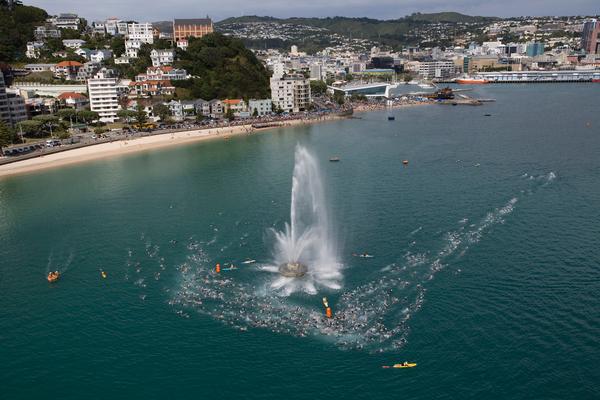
379,89
538,76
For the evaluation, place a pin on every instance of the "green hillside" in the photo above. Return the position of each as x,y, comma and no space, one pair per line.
17,23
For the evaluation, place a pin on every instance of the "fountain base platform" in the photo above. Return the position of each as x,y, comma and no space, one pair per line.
293,270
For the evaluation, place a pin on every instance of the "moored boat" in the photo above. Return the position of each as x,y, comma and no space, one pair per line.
471,81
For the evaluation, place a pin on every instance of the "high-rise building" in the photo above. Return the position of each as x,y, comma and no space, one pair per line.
291,93
196,27
590,37
535,49
104,96
140,32
12,106
4,110
316,72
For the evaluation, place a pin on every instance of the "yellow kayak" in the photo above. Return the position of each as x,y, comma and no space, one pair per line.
405,365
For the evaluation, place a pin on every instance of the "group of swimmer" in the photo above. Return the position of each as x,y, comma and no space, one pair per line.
363,255
54,275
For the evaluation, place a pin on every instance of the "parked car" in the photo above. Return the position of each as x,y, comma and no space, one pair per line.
52,143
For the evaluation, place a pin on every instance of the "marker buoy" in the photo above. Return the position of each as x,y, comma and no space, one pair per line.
218,268
328,312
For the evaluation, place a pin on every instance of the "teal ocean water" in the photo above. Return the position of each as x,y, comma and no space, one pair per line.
486,267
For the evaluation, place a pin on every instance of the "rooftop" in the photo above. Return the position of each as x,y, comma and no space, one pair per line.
192,21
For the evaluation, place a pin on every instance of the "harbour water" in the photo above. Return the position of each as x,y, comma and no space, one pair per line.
485,268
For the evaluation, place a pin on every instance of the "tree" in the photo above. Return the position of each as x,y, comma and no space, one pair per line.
117,45
29,127
318,88
47,122
126,115
88,116
162,111
7,136
67,114
228,69
17,24
140,116
161,44
229,115
339,97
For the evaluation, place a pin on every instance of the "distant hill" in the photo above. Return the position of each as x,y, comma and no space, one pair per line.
452,17
163,26
391,32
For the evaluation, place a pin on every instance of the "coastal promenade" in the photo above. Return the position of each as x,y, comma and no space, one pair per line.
122,144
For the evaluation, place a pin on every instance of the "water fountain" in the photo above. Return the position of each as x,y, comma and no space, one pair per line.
304,253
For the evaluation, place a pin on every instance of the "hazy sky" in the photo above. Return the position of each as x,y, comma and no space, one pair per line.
155,10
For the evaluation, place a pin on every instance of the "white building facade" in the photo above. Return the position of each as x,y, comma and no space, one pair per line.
162,57
103,96
290,93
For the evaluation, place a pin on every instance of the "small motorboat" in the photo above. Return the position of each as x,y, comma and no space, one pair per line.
391,118
334,159
103,274
53,276
405,162
249,262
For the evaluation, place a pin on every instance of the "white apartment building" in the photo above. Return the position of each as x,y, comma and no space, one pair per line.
73,43
437,69
263,107
290,93
100,55
99,27
65,21
33,49
132,47
141,32
162,57
279,70
116,27
103,95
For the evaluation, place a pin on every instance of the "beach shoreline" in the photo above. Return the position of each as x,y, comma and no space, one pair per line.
145,143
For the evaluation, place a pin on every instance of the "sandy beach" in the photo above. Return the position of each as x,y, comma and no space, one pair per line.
122,147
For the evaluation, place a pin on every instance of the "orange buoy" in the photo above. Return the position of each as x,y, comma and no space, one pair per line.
218,268
405,162
328,312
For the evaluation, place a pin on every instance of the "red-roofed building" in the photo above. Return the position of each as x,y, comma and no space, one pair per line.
73,100
236,105
151,88
67,69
